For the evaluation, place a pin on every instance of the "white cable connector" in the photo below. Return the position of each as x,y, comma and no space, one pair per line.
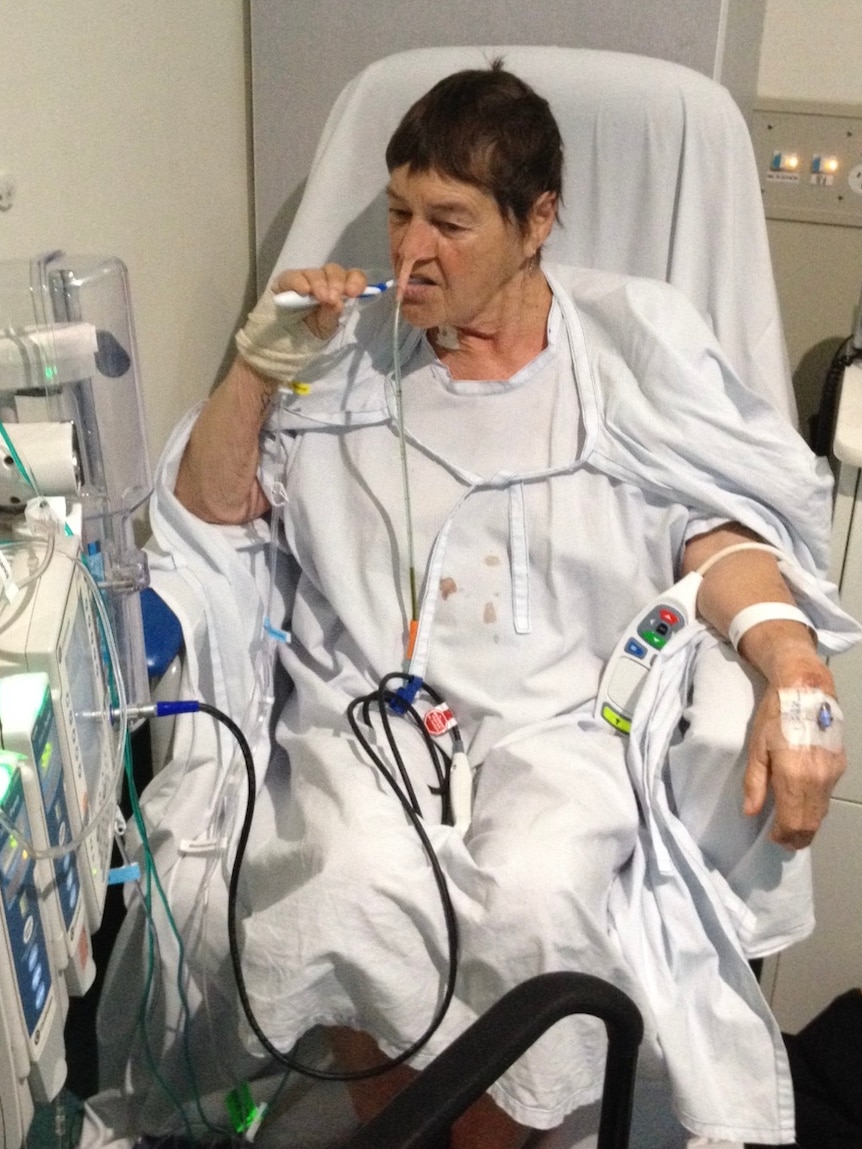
461,791
45,515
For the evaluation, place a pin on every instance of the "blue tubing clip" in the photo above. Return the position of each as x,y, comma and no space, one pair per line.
404,697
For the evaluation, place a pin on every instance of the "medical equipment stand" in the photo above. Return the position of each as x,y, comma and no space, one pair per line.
74,473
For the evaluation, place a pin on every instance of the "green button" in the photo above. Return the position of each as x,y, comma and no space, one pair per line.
656,640
616,720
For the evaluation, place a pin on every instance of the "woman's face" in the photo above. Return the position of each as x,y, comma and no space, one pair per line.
464,259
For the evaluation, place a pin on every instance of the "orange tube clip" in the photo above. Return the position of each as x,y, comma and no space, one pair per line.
411,637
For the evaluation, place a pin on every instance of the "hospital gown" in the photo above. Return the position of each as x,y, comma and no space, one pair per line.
547,510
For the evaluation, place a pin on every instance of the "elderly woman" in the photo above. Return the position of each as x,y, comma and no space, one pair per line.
571,444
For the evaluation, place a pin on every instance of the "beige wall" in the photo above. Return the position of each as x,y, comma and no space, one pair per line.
810,50
124,126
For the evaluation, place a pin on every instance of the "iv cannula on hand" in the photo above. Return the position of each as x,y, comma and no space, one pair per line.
294,301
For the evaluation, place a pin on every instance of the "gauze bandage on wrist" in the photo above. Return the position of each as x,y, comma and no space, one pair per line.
811,718
275,344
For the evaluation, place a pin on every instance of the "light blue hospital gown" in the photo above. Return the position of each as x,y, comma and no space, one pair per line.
547,511
537,540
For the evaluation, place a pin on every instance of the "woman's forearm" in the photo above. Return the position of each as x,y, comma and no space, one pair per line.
217,478
782,650
800,776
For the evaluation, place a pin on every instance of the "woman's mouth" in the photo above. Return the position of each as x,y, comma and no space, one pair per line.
418,288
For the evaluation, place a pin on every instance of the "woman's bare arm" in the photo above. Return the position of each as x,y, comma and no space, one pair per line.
785,653
217,478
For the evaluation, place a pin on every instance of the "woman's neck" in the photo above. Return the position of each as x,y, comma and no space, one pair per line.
500,348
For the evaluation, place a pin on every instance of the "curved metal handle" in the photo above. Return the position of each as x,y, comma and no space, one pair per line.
420,1116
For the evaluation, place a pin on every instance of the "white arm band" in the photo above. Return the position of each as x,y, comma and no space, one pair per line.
750,616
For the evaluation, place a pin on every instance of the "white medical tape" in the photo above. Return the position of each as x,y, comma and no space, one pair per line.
759,612
811,718
202,846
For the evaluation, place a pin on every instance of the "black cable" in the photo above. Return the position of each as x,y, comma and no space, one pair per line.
233,886
384,698
824,420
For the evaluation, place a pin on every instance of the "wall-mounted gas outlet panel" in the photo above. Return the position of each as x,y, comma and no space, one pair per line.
809,157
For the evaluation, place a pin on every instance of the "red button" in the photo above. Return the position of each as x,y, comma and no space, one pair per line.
669,617
439,720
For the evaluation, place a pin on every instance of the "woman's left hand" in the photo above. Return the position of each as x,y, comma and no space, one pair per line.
802,778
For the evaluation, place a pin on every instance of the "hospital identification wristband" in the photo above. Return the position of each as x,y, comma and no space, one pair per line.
759,612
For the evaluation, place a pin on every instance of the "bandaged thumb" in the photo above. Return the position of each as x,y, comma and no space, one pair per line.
275,344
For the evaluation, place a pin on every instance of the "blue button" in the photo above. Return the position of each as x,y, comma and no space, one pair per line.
635,648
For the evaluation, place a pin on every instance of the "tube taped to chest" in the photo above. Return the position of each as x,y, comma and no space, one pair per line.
811,718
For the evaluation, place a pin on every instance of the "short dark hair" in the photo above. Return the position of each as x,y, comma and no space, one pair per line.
488,128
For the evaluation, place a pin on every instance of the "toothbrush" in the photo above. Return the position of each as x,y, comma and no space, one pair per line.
293,301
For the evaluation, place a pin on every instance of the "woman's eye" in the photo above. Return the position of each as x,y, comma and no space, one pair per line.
398,215
449,228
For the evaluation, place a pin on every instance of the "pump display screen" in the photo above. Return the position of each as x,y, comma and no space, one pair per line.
15,861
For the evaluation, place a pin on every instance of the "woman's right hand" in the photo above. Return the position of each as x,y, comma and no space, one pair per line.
331,285
217,479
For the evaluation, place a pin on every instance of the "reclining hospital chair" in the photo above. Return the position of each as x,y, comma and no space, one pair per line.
659,181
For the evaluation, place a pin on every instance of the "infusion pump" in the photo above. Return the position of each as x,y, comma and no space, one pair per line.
60,771
74,472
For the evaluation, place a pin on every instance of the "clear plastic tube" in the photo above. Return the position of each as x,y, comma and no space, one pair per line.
226,807
405,474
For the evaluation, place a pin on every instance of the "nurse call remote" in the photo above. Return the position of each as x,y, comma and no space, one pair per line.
634,654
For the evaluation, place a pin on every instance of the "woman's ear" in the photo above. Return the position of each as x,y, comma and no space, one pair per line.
543,214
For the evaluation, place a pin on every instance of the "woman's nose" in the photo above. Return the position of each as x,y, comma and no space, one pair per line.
415,242
412,243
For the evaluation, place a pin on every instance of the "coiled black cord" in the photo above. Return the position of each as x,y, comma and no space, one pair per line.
380,699
824,421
